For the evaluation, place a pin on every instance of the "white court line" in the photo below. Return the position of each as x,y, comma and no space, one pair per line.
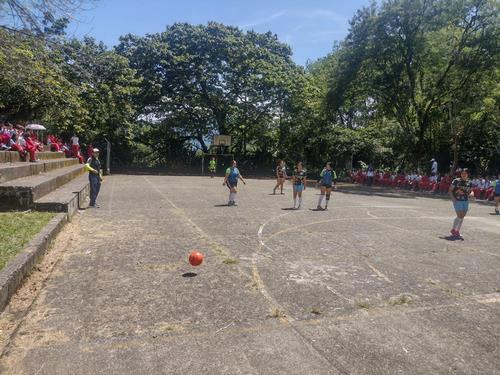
261,229
379,273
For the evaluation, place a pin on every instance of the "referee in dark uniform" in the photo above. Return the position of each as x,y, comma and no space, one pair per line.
93,166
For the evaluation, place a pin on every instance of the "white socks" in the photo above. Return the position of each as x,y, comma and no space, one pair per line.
294,202
300,202
232,197
457,223
320,200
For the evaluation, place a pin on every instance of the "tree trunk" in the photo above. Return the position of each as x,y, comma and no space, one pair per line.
203,145
455,154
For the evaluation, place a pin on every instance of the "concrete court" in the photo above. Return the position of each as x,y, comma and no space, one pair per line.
368,287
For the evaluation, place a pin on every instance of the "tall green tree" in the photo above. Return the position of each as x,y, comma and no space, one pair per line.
214,79
409,58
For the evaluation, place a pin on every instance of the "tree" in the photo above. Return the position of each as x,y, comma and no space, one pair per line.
410,57
213,79
30,81
39,16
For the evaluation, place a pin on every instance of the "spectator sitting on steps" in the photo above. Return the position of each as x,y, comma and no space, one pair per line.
31,146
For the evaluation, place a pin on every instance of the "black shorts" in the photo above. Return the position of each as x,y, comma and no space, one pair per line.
328,186
231,184
496,195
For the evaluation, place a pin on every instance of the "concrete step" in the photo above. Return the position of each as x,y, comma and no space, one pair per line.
21,193
68,198
13,156
11,171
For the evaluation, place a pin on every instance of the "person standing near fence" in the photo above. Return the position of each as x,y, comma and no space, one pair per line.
93,166
496,194
370,173
212,166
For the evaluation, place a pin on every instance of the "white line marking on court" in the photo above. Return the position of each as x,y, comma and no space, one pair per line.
371,215
336,293
379,273
222,250
487,298
261,229
223,328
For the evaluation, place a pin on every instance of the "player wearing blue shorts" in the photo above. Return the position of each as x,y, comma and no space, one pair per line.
460,192
299,180
496,194
327,180
231,181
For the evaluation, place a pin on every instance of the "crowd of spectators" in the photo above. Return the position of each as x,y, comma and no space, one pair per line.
17,138
435,183
26,143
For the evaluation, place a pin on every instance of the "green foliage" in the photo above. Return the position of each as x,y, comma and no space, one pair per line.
414,79
213,79
407,59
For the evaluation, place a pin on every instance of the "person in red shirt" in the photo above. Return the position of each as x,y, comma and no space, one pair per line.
30,147
90,149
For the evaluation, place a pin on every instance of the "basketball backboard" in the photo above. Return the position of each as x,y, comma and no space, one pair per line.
222,140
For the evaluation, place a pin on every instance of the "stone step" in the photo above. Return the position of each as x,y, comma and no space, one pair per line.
21,193
13,156
68,198
12,171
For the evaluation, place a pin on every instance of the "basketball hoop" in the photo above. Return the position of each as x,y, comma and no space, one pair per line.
222,140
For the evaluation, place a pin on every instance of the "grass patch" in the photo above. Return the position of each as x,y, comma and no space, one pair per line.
167,327
402,299
363,304
229,261
316,311
17,229
277,313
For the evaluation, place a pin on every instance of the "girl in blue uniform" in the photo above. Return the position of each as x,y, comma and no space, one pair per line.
460,192
231,181
496,193
299,180
327,180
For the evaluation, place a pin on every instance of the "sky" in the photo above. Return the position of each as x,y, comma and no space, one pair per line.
309,27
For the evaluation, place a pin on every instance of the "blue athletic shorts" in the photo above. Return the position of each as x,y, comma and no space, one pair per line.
298,188
461,205
231,184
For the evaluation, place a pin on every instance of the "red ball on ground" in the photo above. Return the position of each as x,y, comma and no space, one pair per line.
195,258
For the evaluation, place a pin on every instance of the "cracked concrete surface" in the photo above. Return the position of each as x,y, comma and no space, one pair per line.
368,287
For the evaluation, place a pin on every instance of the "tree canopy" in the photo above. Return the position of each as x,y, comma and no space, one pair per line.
413,79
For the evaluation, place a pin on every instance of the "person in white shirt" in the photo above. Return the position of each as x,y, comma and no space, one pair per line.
75,148
434,169
434,166
370,173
